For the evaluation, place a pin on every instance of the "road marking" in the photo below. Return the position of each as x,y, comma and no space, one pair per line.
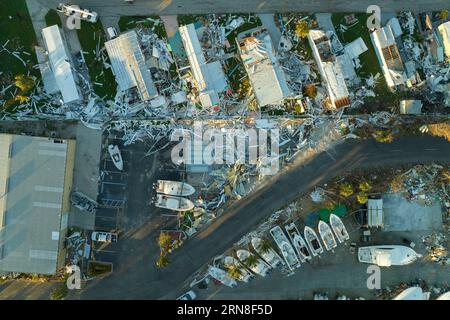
431,149
396,150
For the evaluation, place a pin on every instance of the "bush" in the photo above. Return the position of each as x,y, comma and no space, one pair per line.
365,186
383,136
362,197
60,292
345,190
302,29
310,90
162,261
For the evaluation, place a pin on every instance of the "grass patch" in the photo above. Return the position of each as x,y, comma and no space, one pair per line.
368,60
52,18
92,36
16,26
151,22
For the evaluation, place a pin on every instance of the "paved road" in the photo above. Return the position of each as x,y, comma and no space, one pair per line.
164,7
136,280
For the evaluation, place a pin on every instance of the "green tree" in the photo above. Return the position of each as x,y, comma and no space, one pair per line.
302,29
251,261
365,186
234,272
265,246
345,190
164,241
362,197
24,83
162,261
443,15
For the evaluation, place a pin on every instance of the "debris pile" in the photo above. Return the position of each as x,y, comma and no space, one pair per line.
436,245
75,244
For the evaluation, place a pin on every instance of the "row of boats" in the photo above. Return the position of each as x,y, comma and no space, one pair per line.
295,249
171,195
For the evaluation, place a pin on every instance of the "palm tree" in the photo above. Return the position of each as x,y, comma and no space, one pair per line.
251,261
234,272
265,246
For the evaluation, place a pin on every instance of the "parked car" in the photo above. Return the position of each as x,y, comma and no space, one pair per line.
104,236
190,295
112,33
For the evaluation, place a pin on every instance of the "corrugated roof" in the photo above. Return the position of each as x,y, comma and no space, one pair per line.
128,65
60,63
32,208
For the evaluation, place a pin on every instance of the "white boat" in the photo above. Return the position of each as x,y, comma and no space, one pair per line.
116,157
174,188
385,256
413,293
286,249
269,255
173,203
313,242
230,262
299,244
444,296
221,276
259,267
339,228
327,236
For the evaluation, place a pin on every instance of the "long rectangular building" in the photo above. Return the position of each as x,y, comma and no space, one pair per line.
35,185
129,66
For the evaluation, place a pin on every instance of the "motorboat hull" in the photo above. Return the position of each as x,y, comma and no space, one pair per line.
313,242
339,228
327,236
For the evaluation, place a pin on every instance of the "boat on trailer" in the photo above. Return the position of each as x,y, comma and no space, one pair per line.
270,255
327,236
173,203
299,244
339,228
116,156
259,267
174,188
313,242
230,262
387,255
286,249
221,276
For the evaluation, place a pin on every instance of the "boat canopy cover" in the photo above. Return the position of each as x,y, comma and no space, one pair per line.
383,259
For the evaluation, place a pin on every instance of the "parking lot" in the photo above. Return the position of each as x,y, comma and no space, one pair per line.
125,199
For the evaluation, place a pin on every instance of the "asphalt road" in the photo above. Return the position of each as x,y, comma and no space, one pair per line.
167,7
137,279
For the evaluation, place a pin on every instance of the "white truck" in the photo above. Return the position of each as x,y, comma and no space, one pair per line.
74,10
104,236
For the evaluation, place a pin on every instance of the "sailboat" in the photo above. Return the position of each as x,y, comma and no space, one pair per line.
286,249
116,157
299,244
221,276
327,236
174,188
313,241
269,255
259,267
230,262
339,228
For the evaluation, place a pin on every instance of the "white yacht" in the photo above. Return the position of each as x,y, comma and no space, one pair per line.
286,249
327,236
412,293
221,276
257,266
269,255
385,256
299,244
339,228
116,157
313,242
174,188
173,203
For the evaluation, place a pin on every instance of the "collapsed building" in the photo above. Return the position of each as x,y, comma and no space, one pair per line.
264,71
386,41
56,66
335,67
209,77
129,65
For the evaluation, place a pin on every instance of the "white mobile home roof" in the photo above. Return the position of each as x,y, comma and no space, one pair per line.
60,63
266,76
444,33
209,76
128,65
375,213
32,173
